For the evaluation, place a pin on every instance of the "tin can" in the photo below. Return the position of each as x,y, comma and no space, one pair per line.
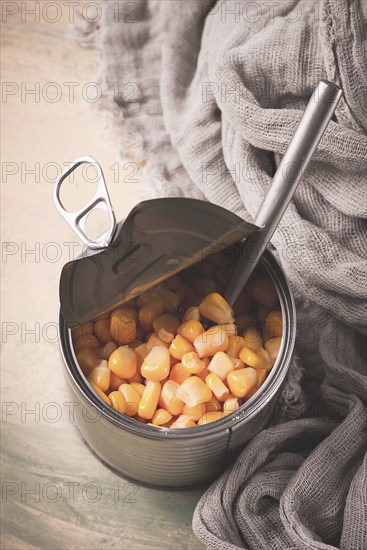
174,458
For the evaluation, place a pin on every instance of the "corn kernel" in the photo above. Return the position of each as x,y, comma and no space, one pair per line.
190,330
161,416
179,346
115,381
173,283
261,374
167,322
132,398
245,320
101,393
216,308
264,291
102,330
210,417
123,325
154,340
192,362
221,364
137,377
209,342
87,359
156,365
149,400
169,400
272,346
100,375
192,313
237,363
85,329
105,351
147,314
183,421
165,336
273,324
179,373
118,401
171,300
123,362
213,405
151,298
231,404
235,344
252,338
194,412
86,341
259,359
194,391
138,387
216,385
242,381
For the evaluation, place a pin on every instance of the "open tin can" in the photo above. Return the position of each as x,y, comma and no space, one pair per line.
178,458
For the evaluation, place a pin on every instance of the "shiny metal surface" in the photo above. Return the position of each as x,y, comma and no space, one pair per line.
178,458
312,126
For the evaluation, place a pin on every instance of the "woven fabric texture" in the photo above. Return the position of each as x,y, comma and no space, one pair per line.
209,95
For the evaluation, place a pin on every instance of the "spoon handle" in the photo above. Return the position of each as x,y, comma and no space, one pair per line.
307,136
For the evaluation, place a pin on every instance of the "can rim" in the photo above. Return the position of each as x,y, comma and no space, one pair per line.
249,409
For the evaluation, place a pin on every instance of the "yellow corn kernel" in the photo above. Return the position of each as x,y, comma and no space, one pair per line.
190,330
115,381
261,373
151,298
101,393
166,322
156,364
216,308
132,398
183,421
252,338
161,416
100,375
154,340
235,344
216,385
169,400
274,324
138,387
204,286
146,315
87,359
179,346
137,377
141,352
171,300
165,336
221,364
213,405
192,313
173,283
105,351
231,404
211,341
259,359
194,391
123,362
272,346
149,400
264,291
210,417
102,330
194,412
237,363
123,325
85,329
118,401
192,362
86,341
242,381
179,373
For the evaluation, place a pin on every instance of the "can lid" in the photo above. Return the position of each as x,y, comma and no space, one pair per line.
158,239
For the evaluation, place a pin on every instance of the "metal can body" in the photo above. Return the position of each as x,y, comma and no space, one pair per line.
178,458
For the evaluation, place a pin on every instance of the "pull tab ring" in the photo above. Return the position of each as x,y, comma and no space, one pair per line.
100,201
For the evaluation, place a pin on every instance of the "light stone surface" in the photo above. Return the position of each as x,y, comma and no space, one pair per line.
41,453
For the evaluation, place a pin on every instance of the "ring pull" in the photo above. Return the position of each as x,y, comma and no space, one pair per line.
100,201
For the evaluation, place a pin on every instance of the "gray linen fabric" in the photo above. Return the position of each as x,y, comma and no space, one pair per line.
209,95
